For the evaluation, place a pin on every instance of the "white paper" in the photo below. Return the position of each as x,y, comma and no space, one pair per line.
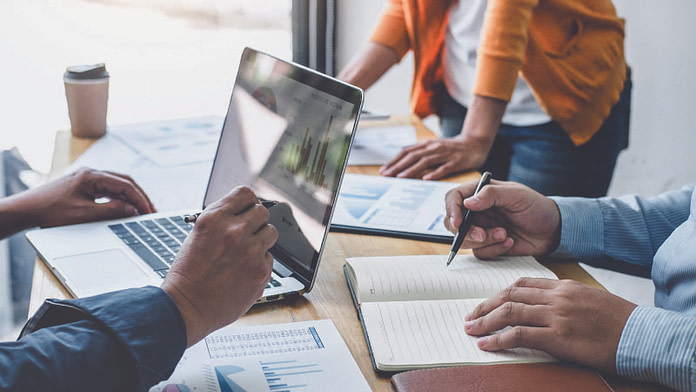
302,356
393,204
176,185
415,334
378,145
173,142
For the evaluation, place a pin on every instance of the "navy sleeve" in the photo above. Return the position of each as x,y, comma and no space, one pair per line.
125,340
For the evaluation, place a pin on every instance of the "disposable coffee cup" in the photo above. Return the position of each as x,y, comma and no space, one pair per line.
87,93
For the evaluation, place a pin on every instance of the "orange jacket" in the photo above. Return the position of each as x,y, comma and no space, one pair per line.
570,52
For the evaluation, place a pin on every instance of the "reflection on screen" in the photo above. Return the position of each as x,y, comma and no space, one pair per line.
288,141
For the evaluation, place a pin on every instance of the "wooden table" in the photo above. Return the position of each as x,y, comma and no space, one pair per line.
330,297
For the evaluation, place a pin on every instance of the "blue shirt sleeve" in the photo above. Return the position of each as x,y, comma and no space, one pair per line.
629,228
125,340
659,345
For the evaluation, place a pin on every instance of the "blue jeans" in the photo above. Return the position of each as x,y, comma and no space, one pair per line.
544,158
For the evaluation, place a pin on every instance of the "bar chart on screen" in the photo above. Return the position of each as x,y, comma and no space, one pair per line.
299,161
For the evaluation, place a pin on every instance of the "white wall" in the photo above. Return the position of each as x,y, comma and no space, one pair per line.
662,151
354,24
660,48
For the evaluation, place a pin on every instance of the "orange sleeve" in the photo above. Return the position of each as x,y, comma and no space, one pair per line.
503,43
391,28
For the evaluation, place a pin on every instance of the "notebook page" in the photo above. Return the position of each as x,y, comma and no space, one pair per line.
402,278
416,334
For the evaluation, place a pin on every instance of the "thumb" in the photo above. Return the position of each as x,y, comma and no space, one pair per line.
492,195
509,196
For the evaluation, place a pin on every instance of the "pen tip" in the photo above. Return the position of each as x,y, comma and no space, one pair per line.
450,257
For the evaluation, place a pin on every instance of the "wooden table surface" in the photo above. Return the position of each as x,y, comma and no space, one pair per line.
330,297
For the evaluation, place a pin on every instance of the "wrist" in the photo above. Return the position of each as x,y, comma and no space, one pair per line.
477,137
196,326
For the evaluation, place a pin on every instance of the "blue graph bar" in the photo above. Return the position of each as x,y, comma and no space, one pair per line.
275,371
436,222
316,337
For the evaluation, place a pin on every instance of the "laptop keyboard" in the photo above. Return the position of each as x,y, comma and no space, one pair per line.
157,241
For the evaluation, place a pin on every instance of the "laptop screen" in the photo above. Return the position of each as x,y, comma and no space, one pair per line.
286,135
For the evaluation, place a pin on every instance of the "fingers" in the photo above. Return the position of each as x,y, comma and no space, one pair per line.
531,291
245,217
129,179
407,164
524,307
500,315
532,337
236,201
420,162
119,187
389,168
493,245
418,158
441,171
114,209
454,202
462,197
268,235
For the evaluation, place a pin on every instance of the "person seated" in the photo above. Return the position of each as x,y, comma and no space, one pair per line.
132,339
572,321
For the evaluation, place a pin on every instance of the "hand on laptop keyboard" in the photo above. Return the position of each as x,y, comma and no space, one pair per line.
73,199
224,263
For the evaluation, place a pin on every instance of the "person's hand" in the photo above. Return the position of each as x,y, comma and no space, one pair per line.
223,265
438,158
434,159
566,319
73,199
511,219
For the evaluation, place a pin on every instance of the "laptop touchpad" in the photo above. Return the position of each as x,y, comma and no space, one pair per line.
87,272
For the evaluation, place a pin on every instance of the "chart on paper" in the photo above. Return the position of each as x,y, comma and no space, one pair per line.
392,205
302,356
290,375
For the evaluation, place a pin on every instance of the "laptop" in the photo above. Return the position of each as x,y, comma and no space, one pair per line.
287,133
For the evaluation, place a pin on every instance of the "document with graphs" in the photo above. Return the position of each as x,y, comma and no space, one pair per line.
413,307
301,356
396,207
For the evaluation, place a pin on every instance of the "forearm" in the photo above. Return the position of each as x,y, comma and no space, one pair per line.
128,339
629,228
482,121
366,68
18,212
72,357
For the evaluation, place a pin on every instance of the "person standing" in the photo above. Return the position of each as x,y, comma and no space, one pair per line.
535,91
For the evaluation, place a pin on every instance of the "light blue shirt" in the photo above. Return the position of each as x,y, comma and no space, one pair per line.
657,344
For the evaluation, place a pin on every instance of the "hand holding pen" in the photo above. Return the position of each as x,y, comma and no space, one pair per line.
467,221
193,217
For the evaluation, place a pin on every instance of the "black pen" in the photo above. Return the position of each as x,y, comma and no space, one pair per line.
466,222
192,218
